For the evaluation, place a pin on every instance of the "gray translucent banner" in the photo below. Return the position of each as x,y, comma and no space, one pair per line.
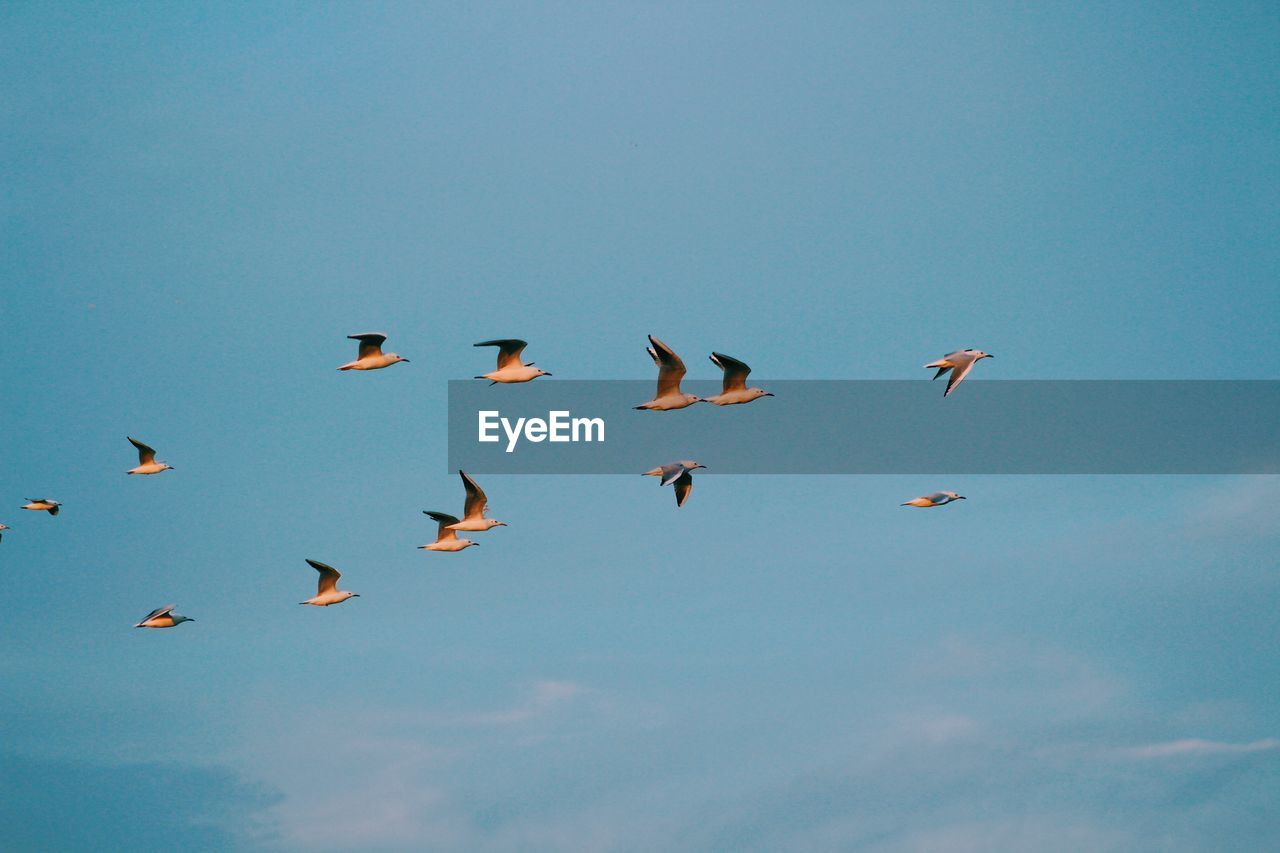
876,427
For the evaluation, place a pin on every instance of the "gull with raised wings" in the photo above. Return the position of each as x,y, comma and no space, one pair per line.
473,511
670,371
370,355
327,591
735,388
147,463
446,538
510,366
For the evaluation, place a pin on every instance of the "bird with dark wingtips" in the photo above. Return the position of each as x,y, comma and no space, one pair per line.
327,591
147,463
510,368
670,371
370,355
446,538
43,504
473,511
163,617
734,390
959,363
677,473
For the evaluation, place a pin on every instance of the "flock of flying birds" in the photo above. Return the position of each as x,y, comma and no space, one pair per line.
512,369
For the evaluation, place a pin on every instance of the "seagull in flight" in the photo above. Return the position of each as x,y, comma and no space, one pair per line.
45,504
510,367
163,617
370,356
935,499
735,388
474,509
446,538
670,371
147,463
3,527
678,473
959,363
327,591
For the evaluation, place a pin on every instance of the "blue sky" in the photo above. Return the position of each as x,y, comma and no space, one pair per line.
202,201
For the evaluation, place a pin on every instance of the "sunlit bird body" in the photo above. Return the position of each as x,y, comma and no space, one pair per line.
163,617
370,355
3,527
473,512
510,367
446,538
670,371
147,463
44,504
935,499
735,388
959,363
677,473
327,591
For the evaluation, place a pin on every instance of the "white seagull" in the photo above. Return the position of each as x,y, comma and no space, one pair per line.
935,499
473,511
327,591
3,527
45,504
735,388
678,473
446,539
510,367
147,463
163,617
670,371
959,363
371,356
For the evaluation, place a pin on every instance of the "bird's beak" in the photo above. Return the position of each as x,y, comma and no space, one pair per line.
473,542
405,360
546,373
501,524
171,468
355,595
989,355
768,394
961,498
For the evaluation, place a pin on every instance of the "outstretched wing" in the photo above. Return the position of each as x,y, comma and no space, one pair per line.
328,576
670,368
509,350
958,373
159,611
443,534
735,372
146,455
370,343
476,501
684,485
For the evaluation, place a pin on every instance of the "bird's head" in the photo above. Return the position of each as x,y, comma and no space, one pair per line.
978,354
493,523
394,358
